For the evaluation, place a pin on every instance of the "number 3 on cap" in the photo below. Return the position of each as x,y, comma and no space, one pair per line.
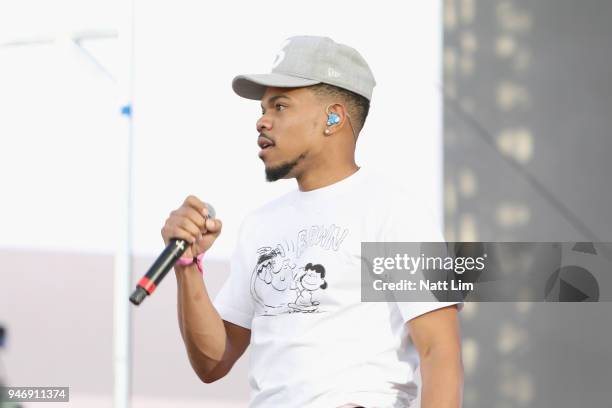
280,56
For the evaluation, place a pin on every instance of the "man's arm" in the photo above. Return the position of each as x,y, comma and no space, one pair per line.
213,345
437,338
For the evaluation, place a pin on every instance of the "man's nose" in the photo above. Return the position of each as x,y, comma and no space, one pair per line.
263,124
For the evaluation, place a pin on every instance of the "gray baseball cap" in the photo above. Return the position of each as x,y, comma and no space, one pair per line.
307,60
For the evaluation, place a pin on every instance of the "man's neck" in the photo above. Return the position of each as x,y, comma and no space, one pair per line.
323,177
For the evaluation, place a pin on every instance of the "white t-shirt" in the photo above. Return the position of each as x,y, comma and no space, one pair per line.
295,282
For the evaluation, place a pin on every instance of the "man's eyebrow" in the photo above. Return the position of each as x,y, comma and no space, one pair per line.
274,98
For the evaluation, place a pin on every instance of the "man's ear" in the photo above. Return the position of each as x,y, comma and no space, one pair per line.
337,117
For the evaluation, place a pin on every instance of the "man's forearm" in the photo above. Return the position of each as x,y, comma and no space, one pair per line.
201,326
442,377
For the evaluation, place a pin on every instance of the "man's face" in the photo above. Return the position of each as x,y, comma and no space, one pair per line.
290,131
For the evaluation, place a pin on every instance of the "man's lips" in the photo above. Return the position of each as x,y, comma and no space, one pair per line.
264,142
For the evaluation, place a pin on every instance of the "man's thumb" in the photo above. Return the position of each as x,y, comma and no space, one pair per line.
214,225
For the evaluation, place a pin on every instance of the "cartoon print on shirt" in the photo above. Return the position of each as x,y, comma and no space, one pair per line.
309,280
273,276
278,286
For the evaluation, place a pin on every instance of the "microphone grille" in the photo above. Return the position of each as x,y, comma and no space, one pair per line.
211,210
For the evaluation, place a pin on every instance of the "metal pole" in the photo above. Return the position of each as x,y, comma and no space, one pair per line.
123,254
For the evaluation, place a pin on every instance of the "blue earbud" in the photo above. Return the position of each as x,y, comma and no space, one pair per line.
332,119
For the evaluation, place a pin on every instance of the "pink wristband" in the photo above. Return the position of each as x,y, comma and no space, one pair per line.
185,261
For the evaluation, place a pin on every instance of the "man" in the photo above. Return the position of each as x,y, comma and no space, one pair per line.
293,294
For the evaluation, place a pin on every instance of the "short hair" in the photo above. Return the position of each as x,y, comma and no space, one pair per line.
358,106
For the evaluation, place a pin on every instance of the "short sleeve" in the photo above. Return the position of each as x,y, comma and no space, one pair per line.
234,302
410,221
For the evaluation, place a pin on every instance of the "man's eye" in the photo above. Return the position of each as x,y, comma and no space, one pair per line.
280,107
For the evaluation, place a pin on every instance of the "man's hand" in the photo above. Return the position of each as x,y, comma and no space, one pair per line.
191,223
437,338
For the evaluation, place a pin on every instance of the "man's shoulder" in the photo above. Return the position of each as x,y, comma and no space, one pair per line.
407,211
389,189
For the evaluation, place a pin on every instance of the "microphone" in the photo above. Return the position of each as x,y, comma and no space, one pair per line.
162,265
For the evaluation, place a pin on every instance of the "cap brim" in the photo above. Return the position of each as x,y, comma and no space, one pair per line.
253,86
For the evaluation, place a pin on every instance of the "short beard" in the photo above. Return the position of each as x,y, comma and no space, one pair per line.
282,170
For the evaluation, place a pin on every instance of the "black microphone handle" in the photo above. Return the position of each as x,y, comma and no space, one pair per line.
162,265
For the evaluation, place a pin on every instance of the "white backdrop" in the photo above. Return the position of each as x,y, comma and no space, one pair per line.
59,115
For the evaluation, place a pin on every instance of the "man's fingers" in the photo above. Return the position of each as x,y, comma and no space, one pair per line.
197,204
192,215
213,225
186,224
178,232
